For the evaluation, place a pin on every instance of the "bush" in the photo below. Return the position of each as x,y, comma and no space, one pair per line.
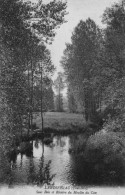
115,124
105,156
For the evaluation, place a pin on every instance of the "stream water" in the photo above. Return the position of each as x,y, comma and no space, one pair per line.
51,163
55,163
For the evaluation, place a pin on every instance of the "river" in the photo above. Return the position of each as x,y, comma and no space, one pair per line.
60,163
53,163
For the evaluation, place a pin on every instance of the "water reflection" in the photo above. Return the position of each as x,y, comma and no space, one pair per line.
50,164
39,163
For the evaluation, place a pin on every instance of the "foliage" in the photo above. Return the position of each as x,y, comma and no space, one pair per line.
79,62
59,103
105,151
59,86
25,62
47,98
71,102
59,83
114,51
94,67
24,26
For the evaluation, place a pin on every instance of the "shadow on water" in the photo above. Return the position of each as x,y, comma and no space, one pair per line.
24,168
60,162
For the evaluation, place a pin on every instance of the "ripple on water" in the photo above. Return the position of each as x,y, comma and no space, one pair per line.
66,166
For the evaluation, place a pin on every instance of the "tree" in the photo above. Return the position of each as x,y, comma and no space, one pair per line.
79,62
25,27
59,103
114,17
72,106
59,86
47,99
41,75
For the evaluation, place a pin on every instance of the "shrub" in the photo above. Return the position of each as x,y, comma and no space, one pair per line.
105,156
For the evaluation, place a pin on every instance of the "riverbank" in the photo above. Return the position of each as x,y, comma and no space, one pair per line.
60,121
55,123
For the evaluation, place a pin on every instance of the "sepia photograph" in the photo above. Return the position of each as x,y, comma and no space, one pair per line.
62,97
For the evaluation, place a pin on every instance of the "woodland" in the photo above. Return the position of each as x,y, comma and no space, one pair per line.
25,64
94,74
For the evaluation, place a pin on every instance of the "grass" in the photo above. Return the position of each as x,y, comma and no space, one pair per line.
61,121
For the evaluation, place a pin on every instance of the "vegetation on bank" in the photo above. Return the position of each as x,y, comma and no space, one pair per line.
25,63
61,121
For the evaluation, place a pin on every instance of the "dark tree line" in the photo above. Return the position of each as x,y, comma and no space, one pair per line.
94,65
25,61
79,60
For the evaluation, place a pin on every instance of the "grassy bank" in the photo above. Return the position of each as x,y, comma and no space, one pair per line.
60,121
54,123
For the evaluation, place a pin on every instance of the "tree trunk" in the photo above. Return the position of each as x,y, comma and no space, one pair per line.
42,122
31,106
28,100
